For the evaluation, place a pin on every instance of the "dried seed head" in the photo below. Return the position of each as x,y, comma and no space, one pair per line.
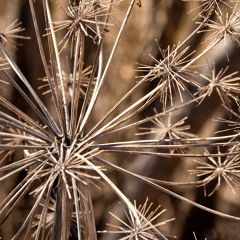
227,86
146,228
171,73
86,18
165,129
7,34
220,168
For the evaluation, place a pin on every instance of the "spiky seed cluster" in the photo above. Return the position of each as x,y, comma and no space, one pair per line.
168,130
142,228
10,33
87,17
227,86
170,73
227,24
220,168
62,155
55,163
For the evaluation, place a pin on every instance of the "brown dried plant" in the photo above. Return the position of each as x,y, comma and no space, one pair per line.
72,141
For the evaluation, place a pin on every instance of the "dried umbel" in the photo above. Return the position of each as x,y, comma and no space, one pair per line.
225,168
87,17
69,147
144,227
171,73
10,33
227,86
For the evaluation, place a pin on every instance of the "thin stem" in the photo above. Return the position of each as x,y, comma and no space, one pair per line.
59,69
100,82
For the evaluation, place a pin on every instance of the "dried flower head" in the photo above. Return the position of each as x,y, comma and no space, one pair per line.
168,130
219,168
145,228
11,33
85,17
227,86
63,147
171,73
227,24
